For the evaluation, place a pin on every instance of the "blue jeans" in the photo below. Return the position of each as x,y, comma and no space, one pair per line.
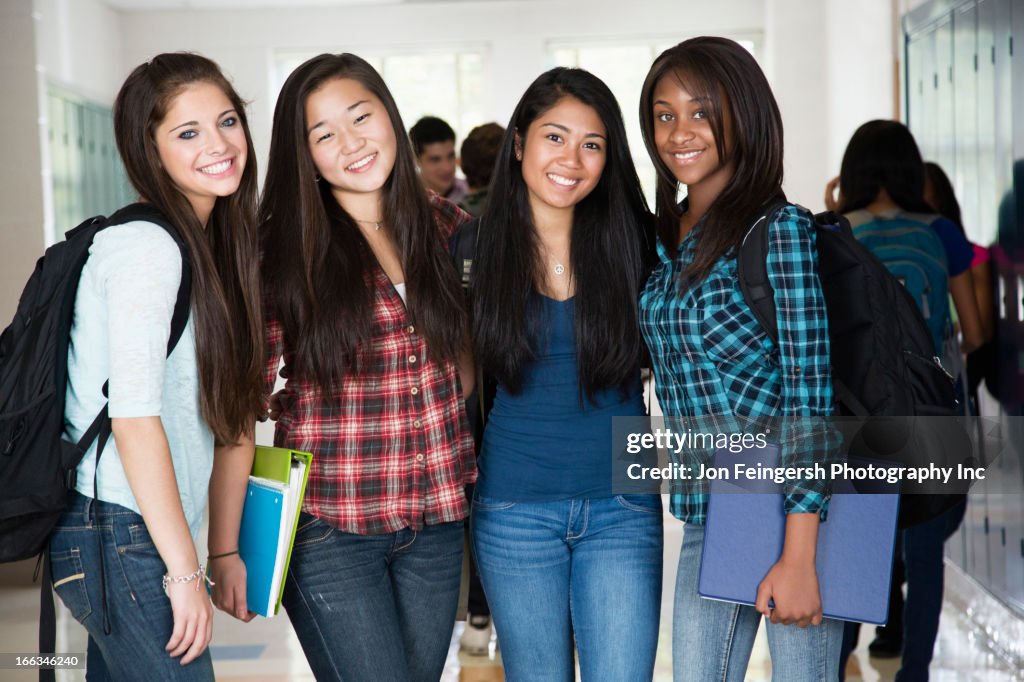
712,640
589,568
139,612
374,607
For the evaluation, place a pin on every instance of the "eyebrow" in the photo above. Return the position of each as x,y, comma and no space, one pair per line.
693,100
320,123
195,123
565,129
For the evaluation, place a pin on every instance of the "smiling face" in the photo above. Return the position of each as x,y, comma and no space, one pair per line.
202,146
351,141
562,156
685,140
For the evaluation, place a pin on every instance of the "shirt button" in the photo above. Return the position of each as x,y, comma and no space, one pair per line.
417,423
419,458
414,390
796,370
411,329
412,359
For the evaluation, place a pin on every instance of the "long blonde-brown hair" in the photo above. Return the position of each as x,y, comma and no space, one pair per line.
226,309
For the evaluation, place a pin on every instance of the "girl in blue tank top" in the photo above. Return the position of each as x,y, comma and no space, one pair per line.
559,263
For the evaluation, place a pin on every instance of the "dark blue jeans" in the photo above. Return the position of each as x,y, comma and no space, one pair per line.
374,607
140,615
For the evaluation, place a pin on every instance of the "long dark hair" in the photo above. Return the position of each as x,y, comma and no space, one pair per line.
726,75
882,155
606,252
318,267
943,196
226,303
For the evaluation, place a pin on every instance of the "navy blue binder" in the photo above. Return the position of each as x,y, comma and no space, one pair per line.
745,530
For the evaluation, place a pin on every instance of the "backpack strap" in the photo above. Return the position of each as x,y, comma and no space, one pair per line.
752,270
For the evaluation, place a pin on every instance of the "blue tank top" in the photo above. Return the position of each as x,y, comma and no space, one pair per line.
543,444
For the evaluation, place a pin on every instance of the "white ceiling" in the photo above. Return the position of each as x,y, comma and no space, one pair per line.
144,5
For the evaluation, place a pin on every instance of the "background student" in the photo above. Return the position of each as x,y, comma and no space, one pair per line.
939,194
433,143
125,563
710,122
558,268
365,309
476,157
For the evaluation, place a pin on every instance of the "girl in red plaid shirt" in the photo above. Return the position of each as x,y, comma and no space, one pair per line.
366,311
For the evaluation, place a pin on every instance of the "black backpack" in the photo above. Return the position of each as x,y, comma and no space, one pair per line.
37,466
884,365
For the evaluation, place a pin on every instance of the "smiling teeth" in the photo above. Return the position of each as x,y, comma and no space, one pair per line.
362,162
563,181
687,155
217,168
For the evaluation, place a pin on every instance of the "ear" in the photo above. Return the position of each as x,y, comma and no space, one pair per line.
517,145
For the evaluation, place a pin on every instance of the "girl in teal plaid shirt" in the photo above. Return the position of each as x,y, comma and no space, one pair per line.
710,122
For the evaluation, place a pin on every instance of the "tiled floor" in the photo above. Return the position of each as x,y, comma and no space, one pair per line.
267,650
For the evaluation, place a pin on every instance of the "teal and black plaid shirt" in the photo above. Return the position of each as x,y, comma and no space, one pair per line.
713,362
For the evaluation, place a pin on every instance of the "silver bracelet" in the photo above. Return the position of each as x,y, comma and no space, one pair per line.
199,576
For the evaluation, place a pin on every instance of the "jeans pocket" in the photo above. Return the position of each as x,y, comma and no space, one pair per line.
650,504
143,570
140,540
311,530
490,503
69,582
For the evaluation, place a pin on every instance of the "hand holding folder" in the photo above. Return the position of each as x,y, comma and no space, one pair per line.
269,519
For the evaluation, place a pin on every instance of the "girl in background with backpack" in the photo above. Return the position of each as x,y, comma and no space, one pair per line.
710,122
123,560
556,275
365,309
881,189
881,185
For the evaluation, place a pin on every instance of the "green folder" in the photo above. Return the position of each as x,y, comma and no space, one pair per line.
276,464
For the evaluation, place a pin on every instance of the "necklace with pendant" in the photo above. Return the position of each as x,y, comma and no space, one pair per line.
558,267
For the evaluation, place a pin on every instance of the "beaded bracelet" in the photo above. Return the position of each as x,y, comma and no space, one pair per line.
199,576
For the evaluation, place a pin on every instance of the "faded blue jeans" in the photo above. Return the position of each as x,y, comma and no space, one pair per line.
374,607
587,570
712,640
140,615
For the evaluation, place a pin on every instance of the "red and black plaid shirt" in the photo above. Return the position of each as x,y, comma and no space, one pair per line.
395,451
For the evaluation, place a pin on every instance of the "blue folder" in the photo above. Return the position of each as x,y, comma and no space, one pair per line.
745,530
262,516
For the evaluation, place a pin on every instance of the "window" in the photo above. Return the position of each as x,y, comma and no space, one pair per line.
444,83
622,66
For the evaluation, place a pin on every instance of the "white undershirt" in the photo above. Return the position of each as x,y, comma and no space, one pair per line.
400,288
